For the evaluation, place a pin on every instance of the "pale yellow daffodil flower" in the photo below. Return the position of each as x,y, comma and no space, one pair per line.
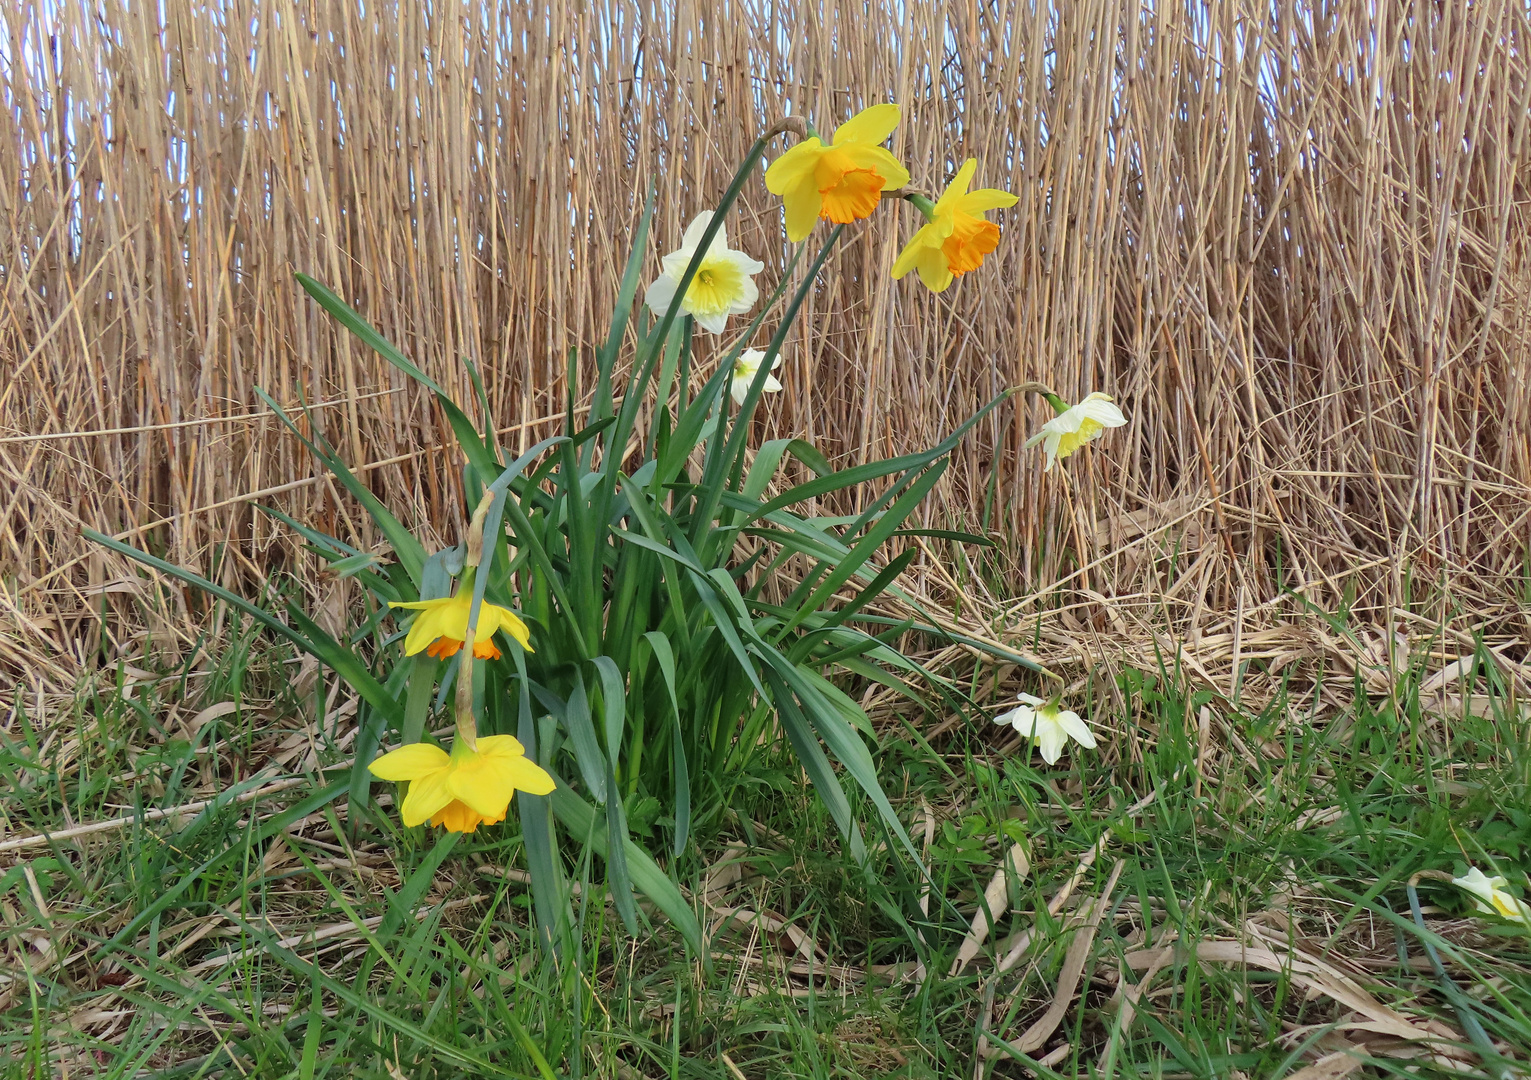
1491,897
1074,427
723,284
1049,725
745,369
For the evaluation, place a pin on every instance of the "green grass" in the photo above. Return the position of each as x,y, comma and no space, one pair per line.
279,938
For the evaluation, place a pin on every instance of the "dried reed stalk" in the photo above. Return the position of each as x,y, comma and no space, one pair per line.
1292,240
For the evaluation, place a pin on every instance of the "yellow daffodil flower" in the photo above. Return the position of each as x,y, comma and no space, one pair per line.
1074,427
442,626
1491,897
721,286
462,790
1049,725
745,369
841,182
956,237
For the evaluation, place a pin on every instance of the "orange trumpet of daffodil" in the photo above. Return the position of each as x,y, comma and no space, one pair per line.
842,181
956,237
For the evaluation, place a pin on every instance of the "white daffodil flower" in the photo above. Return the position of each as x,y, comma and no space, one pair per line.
1490,896
1074,427
1049,725
721,287
744,374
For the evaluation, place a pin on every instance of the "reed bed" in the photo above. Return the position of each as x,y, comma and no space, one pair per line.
1293,240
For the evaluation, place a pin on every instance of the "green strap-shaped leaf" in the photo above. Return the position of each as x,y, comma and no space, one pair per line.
587,749
408,550
537,832
873,469
580,818
843,741
666,658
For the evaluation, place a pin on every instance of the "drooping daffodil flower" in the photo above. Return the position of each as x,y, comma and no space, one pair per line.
1491,897
1075,426
467,788
956,236
722,285
842,181
1049,725
442,626
745,369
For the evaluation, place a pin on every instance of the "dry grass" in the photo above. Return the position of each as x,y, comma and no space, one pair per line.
1291,239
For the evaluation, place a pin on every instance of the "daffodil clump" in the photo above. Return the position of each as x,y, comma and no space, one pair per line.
663,663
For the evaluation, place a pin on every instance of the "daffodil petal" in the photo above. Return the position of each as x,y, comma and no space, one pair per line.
1050,740
661,294
908,259
526,775
1023,718
933,271
881,162
959,183
419,637
409,762
1050,448
870,125
1075,727
802,204
512,625
976,202
692,238
794,167
477,782
500,746
425,798
1102,412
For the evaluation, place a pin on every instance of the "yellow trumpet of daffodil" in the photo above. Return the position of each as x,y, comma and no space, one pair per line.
1491,897
1075,426
955,237
843,181
1049,725
442,626
469,787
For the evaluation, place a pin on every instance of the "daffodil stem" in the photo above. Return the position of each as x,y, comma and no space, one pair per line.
1459,1001
467,727
923,204
1059,405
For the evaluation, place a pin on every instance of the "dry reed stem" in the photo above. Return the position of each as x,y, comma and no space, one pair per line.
1292,240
